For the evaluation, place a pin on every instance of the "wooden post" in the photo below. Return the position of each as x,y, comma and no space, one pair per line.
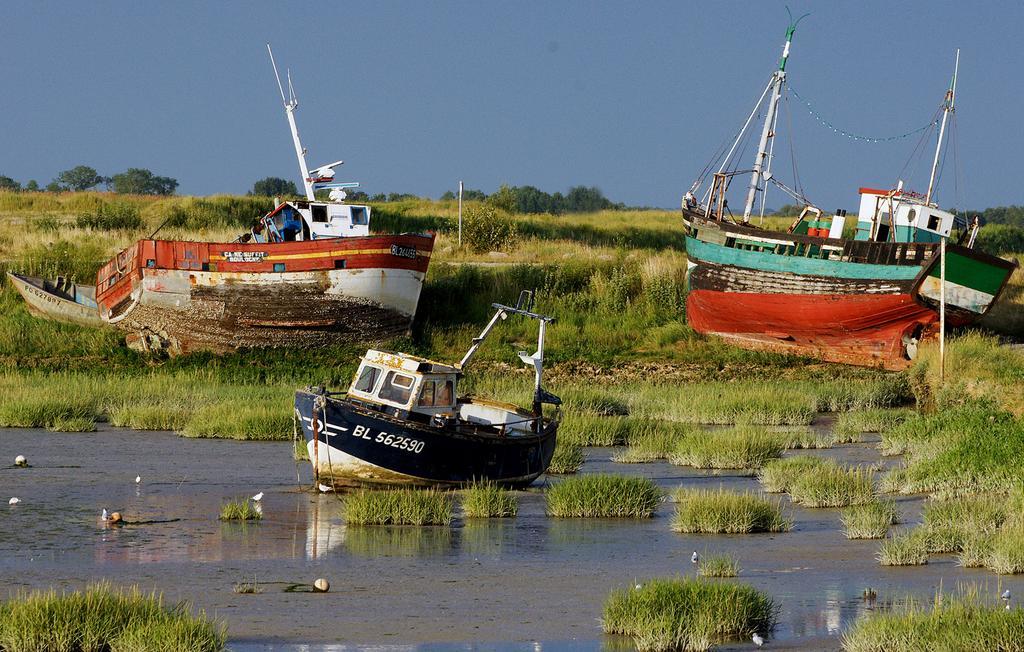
460,214
942,310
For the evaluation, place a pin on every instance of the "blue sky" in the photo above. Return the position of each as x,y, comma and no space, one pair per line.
631,97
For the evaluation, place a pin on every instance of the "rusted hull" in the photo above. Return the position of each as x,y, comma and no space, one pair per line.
44,303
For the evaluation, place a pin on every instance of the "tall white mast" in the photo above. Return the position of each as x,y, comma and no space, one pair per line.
946,110
290,104
778,79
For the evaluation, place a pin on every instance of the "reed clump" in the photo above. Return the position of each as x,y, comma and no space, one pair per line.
776,476
908,548
852,424
603,496
688,614
831,485
726,512
104,618
962,621
240,419
240,510
870,520
718,566
568,458
657,443
488,500
735,448
398,507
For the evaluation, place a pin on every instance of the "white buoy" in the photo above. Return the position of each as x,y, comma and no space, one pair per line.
138,479
322,585
14,501
258,497
20,461
694,558
758,641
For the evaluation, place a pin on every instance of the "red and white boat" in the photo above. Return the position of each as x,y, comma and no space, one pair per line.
308,273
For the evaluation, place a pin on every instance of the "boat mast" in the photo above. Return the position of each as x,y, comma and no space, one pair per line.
290,104
778,79
946,110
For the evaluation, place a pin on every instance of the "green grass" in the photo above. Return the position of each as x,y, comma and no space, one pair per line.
776,476
909,548
240,510
150,417
870,520
1006,555
718,566
953,622
568,458
852,424
688,614
655,444
487,500
603,496
831,485
240,420
104,618
715,512
734,448
398,507
71,424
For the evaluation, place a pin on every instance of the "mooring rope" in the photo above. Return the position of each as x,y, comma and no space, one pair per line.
869,139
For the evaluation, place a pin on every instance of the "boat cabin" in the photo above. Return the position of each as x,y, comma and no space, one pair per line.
900,216
416,389
294,221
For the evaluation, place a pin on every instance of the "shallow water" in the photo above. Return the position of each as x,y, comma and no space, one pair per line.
502,585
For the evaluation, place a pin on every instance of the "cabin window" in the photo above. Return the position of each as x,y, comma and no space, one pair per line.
436,393
427,394
319,213
150,262
339,263
368,379
912,215
933,222
397,388
359,216
278,267
883,233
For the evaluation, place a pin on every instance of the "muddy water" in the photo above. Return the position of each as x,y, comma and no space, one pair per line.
499,584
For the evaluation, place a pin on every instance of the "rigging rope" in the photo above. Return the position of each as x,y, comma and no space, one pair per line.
869,139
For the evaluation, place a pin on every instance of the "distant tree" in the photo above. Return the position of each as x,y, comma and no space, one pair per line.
448,196
473,195
379,197
358,195
400,196
584,200
504,199
80,177
53,186
140,181
274,187
7,183
32,185
788,210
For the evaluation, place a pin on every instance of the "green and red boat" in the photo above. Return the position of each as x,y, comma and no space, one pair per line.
864,295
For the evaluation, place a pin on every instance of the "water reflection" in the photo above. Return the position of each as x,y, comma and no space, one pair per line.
328,535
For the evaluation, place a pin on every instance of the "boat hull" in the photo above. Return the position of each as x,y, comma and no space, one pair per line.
349,445
182,297
44,303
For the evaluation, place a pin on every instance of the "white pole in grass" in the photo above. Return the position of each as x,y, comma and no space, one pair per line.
942,310
460,214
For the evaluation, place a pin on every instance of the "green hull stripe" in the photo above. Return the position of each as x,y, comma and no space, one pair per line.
771,262
972,273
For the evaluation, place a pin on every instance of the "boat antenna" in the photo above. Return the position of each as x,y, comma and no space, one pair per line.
947,109
290,104
767,133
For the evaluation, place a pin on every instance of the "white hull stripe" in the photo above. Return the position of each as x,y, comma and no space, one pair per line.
957,296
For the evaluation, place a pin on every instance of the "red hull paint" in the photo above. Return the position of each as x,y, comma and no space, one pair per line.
859,329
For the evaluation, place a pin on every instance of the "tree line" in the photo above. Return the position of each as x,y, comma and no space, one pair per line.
133,181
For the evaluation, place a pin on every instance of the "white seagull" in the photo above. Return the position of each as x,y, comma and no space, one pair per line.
104,516
138,479
322,487
694,558
758,641
258,497
14,501
1006,594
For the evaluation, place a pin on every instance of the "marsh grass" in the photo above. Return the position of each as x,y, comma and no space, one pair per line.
726,512
1006,554
655,444
104,618
488,500
247,588
908,548
603,496
963,621
300,452
776,476
71,424
688,614
240,419
735,448
831,485
870,520
808,439
240,510
568,458
718,566
852,424
150,417
398,507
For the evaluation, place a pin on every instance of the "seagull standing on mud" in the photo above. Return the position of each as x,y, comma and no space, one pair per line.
758,641
104,516
258,497
14,501
694,558
138,479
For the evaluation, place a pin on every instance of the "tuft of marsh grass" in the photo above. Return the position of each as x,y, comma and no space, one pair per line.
150,417
963,621
600,496
714,512
870,520
104,618
240,419
809,439
776,476
398,507
71,424
688,614
718,566
831,485
908,548
1006,555
240,510
568,458
735,448
300,452
247,588
654,444
853,424
488,500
